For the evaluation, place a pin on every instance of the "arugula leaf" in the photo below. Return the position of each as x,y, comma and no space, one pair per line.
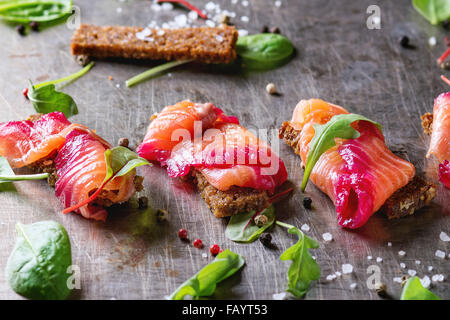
37,266
46,99
119,162
264,51
25,11
7,175
434,11
242,228
339,126
304,268
204,282
413,290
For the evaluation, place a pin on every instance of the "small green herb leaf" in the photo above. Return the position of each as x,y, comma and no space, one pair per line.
413,290
119,162
153,71
7,175
204,283
339,126
304,268
264,51
25,11
37,267
46,99
434,11
242,228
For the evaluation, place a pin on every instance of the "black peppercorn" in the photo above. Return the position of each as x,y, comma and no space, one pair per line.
445,65
82,60
446,24
34,26
161,215
307,202
143,202
404,42
21,29
265,29
123,142
266,238
275,30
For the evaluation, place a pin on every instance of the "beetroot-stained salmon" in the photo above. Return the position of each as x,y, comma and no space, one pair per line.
360,174
440,136
25,142
201,141
81,168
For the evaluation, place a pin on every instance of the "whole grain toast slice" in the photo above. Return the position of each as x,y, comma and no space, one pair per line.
405,201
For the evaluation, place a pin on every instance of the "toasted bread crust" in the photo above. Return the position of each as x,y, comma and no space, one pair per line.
203,44
230,202
427,123
405,201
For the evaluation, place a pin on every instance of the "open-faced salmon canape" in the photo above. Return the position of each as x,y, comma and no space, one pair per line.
235,171
73,155
438,126
359,173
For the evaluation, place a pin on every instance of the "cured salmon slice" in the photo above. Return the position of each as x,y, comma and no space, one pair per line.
440,136
25,142
358,175
81,169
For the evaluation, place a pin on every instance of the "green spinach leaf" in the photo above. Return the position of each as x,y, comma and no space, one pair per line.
25,11
204,283
339,126
413,290
37,267
119,162
264,51
304,268
434,11
46,99
242,228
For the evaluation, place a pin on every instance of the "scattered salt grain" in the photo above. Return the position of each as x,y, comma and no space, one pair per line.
204,255
379,259
412,272
432,41
181,20
117,85
437,278
245,3
347,268
210,23
279,296
444,237
119,10
242,32
389,244
160,32
338,274
210,6
305,227
245,19
397,280
402,265
440,254
417,261
425,281
353,286
314,257
167,6
401,253
327,237
219,39
193,15
234,1
369,257
430,268
278,4
331,277
156,7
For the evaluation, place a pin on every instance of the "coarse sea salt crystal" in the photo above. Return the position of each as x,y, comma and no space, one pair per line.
379,259
245,19
234,1
279,296
119,10
417,261
305,227
444,237
204,255
432,41
167,6
242,32
430,268
412,272
331,277
219,38
210,23
402,265
192,15
278,4
160,32
210,6
347,268
437,278
353,286
181,20
425,281
245,3
327,237
389,244
440,254
369,257
401,253
155,7
338,274
397,280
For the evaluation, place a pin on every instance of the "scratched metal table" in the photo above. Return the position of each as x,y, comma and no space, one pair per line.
338,59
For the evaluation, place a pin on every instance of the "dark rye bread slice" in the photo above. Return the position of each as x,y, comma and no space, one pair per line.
203,44
405,201
231,202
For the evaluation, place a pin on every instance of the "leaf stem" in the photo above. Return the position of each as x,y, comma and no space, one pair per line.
445,79
71,77
284,225
24,177
147,74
